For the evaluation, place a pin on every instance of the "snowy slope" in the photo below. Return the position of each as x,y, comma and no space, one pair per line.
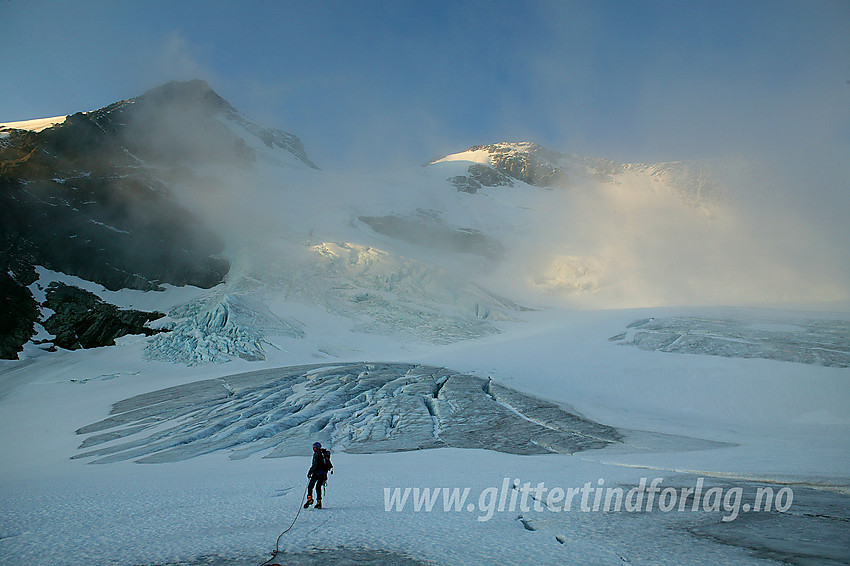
32,125
506,314
407,254
775,421
411,254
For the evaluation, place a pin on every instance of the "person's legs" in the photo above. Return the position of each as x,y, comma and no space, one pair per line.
313,482
319,485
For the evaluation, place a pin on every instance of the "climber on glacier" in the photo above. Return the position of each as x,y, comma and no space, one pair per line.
318,474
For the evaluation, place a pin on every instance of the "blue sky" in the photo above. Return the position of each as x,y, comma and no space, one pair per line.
368,84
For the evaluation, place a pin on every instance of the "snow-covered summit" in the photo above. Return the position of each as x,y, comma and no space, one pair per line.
502,164
523,161
35,125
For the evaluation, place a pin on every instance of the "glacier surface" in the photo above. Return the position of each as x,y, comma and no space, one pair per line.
822,342
210,330
353,407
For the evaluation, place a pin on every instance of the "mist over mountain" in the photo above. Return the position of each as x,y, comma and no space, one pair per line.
177,188
92,196
501,164
553,282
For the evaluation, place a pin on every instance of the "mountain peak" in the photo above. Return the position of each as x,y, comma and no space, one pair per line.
483,153
194,92
515,147
500,163
164,103
187,122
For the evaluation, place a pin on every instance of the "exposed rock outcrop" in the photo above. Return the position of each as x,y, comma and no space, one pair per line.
82,320
18,308
480,175
92,196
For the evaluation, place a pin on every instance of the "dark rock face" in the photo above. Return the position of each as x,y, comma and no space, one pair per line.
489,177
465,184
183,123
117,227
91,197
82,320
75,202
18,309
480,175
184,109
527,162
81,197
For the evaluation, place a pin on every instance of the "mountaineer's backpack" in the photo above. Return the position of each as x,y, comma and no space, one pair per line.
325,464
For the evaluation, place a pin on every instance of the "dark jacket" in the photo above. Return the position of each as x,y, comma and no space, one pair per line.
321,463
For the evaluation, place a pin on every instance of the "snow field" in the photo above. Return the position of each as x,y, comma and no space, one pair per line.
781,421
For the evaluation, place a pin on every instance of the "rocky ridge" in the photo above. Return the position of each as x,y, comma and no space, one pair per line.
81,320
697,182
92,196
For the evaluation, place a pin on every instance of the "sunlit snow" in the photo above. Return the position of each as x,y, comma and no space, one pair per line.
36,125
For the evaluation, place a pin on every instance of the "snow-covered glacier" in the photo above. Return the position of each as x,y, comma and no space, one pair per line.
368,289
457,283
817,341
217,328
352,407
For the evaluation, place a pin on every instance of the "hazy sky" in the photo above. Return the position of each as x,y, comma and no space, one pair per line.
367,83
